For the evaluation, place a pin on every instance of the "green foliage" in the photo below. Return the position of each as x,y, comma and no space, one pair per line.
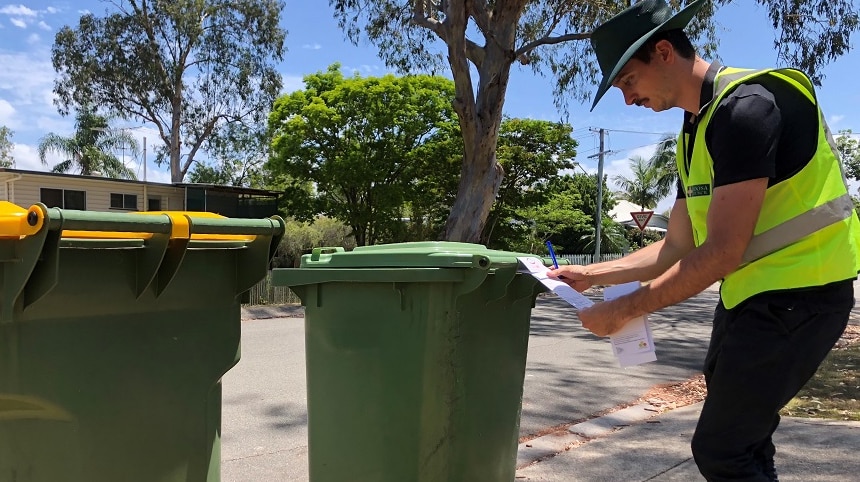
639,239
848,146
613,237
479,42
362,142
91,149
567,218
532,152
6,145
664,162
301,237
190,67
643,187
239,153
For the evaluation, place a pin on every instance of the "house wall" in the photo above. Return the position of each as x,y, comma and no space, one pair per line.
26,191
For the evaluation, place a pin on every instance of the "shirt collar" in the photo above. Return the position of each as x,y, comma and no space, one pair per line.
707,94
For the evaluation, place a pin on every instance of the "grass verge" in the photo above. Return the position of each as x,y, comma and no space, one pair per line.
834,392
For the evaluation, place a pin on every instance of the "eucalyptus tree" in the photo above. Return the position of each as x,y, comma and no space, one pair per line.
484,39
189,67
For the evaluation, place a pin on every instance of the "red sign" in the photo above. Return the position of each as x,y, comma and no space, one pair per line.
642,218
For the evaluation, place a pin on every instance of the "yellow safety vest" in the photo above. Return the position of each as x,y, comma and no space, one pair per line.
807,234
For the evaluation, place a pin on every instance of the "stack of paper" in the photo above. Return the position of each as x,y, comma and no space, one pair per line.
633,344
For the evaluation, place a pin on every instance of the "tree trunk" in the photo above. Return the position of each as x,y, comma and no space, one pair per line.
481,175
176,174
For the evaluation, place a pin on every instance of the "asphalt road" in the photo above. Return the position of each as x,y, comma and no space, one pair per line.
570,375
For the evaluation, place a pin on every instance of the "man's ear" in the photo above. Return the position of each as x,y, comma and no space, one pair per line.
664,51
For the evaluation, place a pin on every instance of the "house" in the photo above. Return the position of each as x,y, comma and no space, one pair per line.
621,213
96,193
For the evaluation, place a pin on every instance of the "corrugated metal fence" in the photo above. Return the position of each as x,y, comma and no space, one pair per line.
263,293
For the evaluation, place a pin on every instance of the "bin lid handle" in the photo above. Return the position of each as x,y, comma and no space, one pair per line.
315,254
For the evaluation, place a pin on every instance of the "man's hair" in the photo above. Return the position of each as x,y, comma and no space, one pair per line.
677,37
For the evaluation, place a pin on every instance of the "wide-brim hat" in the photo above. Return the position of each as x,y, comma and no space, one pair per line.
616,40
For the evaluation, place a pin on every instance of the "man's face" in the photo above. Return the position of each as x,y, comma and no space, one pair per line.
646,84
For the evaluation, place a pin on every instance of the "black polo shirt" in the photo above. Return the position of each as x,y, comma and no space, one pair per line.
762,128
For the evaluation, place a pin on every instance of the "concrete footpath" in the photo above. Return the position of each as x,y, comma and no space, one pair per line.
632,447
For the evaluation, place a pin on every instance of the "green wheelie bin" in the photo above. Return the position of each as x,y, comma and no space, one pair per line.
115,331
416,355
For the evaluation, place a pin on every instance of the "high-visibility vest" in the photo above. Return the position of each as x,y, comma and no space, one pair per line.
807,233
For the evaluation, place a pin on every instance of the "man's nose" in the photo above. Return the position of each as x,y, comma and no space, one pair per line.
629,98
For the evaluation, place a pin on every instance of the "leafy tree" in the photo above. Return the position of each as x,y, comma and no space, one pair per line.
547,35
849,151
358,140
612,237
575,196
642,188
301,237
663,161
190,67
239,154
6,145
531,152
91,149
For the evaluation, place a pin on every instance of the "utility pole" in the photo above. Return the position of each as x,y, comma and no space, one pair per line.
599,214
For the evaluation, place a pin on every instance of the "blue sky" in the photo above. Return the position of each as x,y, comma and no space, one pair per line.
314,41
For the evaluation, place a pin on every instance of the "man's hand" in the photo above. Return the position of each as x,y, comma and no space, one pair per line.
574,275
606,318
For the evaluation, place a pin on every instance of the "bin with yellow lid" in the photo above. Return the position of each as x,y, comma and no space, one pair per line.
115,331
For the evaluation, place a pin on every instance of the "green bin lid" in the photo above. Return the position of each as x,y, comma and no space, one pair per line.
424,254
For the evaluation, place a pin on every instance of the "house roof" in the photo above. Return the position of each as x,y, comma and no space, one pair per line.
208,187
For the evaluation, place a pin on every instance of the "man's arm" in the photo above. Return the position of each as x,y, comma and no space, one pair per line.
732,217
643,264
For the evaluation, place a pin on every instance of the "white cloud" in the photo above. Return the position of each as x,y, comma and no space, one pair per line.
292,83
7,114
27,157
312,46
52,10
43,25
33,38
18,22
835,120
19,10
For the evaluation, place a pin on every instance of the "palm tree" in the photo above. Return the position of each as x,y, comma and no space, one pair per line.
91,149
663,161
643,189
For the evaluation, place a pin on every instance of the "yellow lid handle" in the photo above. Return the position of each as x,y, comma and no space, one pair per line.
16,221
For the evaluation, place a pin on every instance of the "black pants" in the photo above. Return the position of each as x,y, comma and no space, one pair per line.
761,354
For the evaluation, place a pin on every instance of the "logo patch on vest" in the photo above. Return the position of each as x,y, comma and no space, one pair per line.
699,190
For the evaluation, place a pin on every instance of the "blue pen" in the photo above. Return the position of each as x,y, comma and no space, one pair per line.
552,254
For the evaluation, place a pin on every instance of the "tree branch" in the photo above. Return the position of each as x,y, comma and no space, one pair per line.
525,49
421,18
479,11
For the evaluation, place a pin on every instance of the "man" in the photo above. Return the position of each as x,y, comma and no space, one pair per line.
762,206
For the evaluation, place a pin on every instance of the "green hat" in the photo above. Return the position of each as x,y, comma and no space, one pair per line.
620,37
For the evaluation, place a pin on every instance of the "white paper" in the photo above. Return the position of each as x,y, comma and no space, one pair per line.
633,344
537,269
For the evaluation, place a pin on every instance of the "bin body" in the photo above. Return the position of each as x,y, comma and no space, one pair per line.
414,372
103,379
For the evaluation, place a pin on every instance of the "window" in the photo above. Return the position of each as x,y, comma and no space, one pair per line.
154,204
64,198
123,201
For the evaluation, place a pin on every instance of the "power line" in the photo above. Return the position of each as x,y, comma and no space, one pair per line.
640,132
